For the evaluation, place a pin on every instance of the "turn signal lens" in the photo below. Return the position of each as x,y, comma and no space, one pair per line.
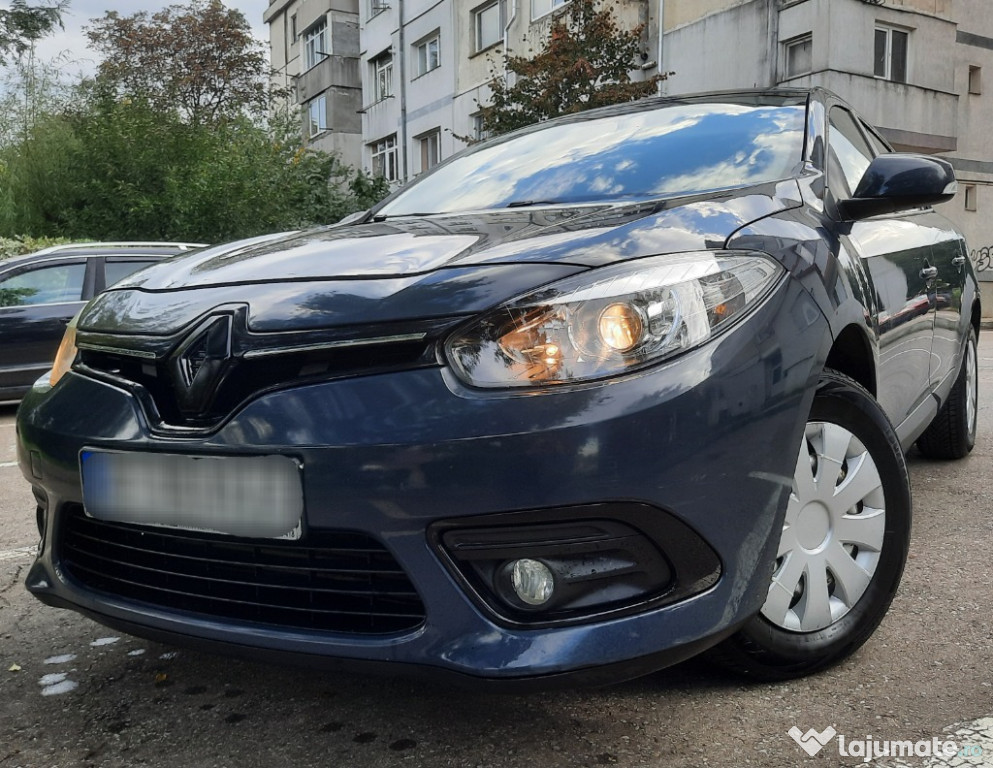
66,355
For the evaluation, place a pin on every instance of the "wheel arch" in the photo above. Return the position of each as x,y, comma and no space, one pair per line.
852,355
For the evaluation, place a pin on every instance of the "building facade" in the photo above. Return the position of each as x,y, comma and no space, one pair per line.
314,51
921,70
915,68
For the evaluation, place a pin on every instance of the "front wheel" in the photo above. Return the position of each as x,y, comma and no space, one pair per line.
843,543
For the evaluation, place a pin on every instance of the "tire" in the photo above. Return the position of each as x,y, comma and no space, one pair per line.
952,434
843,544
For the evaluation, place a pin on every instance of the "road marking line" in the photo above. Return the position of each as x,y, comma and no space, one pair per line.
5,464
16,554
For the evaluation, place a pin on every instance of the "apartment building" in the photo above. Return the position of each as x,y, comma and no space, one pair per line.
915,68
314,51
922,70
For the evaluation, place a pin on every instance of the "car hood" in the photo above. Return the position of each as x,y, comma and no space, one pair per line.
435,266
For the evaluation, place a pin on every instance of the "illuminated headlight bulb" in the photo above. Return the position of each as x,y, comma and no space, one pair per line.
532,581
621,327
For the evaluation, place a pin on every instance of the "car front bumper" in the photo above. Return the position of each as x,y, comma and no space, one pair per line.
707,440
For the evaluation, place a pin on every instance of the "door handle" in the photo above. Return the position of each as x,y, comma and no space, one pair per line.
929,273
958,261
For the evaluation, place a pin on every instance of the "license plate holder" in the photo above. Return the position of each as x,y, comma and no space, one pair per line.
257,497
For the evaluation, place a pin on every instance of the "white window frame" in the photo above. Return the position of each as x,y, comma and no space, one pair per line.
971,194
478,132
887,73
315,45
428,53
975,80
789,47
317,116
385,158
429,149
479,44
541,8
382,76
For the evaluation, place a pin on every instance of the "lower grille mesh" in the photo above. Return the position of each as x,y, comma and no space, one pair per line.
336,581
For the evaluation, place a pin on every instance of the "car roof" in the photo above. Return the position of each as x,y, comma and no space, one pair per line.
136,248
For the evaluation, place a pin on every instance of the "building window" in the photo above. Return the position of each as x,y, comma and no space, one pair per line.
971,201
487,24
799,56
891,54
384,158
975,80
430,146
382,80
479,132
376,7
428,55
541,7
317,116
316,44
293,27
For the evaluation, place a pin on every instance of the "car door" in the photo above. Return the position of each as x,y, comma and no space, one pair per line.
947,281
36,302
895,251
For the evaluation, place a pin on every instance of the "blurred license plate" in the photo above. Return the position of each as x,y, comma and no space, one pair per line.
252,496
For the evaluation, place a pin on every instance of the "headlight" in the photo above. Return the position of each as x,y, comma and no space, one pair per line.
612,319
66,355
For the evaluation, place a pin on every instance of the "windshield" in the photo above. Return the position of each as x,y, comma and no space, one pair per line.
675,150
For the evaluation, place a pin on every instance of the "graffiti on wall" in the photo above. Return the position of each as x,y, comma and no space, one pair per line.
983,258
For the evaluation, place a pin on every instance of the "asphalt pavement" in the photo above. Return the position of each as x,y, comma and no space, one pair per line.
73,693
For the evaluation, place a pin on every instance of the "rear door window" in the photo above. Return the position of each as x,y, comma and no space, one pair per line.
115,271
47,284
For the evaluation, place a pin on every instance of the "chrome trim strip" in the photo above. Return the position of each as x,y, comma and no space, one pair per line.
143,354
256,353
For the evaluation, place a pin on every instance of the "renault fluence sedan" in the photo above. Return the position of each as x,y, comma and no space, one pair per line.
581,402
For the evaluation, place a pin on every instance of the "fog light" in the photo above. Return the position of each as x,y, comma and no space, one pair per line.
532,580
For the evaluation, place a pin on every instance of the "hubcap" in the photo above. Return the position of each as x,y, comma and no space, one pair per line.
833,532
972,382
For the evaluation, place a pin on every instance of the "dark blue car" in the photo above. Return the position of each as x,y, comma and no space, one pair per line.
581,402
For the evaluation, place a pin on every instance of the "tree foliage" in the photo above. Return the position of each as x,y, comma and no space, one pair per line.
118,169
586,62
200,59
22,24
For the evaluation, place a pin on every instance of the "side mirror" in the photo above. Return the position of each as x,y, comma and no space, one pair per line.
898,182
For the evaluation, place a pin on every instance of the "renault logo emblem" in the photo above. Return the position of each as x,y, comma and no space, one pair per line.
200,363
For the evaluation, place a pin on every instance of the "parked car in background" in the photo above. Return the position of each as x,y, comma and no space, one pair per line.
583,400
40,292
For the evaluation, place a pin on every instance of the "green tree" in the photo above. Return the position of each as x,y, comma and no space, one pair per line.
586,62
21,25
118,169
200,59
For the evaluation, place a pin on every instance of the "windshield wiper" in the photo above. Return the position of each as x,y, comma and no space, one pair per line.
529,203
384,216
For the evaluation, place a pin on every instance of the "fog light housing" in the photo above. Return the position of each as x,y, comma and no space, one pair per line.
532,581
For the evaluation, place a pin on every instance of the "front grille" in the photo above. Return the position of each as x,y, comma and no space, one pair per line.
247,378
335,581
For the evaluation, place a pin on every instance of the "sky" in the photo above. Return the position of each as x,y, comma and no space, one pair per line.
70,44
